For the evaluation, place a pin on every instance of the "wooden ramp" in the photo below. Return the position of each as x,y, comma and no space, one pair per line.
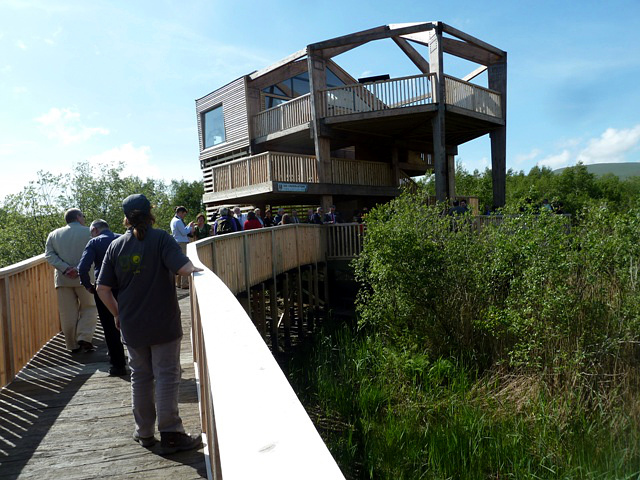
65,417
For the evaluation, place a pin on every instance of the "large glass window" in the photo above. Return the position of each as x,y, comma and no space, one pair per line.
294,87
213,127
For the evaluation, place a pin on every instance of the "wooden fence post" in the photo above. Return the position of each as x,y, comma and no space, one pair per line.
287,312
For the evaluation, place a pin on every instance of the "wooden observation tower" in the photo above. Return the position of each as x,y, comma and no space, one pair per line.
303,131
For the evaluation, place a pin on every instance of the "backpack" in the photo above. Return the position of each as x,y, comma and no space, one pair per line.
224,226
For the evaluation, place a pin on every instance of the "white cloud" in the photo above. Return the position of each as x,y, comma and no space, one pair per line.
556,161
136,160
473,165
19,90
611,147
527,157
64,124
21,45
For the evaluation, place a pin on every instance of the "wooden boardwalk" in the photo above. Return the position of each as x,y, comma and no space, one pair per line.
65,417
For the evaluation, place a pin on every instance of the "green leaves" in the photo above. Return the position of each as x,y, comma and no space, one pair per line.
533,292
27,218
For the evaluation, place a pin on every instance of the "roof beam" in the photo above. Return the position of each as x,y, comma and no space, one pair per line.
469,52
475,73
291,58
335,51
421,37
279,74
365,36
473,40
341,73
418,60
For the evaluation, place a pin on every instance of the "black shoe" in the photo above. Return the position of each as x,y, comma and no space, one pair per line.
76,350
146,442
118,371
172,442
86,347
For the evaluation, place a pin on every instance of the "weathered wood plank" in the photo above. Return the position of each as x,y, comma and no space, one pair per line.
65,417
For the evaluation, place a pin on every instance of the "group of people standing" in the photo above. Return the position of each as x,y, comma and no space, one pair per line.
229,220
131,289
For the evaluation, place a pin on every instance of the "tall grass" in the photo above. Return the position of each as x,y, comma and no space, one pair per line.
510,353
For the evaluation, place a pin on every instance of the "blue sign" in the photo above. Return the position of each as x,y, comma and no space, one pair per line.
292,187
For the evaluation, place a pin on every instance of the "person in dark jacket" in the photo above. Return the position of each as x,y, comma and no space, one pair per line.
94,254
317,217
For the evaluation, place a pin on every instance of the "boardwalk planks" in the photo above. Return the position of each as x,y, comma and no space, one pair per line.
65,417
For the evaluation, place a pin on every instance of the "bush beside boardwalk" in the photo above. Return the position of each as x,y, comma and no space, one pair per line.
512,353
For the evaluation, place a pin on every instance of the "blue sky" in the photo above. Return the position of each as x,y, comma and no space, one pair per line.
109,81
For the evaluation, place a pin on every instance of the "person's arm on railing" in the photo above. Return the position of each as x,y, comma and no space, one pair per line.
188,268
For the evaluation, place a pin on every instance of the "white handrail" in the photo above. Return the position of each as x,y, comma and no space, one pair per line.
258,428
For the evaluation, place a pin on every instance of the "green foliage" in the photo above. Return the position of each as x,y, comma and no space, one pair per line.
575,187
508,351
27,218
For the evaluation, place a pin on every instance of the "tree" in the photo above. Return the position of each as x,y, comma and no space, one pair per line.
27,218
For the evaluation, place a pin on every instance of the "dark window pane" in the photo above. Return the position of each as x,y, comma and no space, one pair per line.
213,127
274,89
301,84
333,80
270,102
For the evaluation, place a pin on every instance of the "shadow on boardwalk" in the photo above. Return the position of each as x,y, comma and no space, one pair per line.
65,417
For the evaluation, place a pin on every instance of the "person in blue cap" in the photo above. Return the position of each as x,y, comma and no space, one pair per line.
141,265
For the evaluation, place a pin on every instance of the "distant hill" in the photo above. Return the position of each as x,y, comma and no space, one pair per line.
622,170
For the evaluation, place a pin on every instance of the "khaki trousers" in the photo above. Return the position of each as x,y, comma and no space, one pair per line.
182,282
78,315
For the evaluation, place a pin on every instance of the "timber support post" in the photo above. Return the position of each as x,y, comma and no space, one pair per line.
498,82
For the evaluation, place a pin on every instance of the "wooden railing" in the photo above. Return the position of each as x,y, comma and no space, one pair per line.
28,313
472,97
344,240
245,259
358,172
373,96
295,168
284,116
254,424
261,168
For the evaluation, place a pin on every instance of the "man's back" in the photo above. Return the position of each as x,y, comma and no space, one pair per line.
64,248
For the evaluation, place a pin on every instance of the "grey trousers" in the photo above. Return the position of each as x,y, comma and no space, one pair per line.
155,380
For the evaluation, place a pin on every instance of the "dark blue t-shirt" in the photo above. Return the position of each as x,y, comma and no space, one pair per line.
143,272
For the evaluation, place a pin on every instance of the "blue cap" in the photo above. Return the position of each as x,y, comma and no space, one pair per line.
136,201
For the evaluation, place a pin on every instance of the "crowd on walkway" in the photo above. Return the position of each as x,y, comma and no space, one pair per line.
230,220
129,282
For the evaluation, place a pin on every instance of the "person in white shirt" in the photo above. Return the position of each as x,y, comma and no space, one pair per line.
180,232
242,217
